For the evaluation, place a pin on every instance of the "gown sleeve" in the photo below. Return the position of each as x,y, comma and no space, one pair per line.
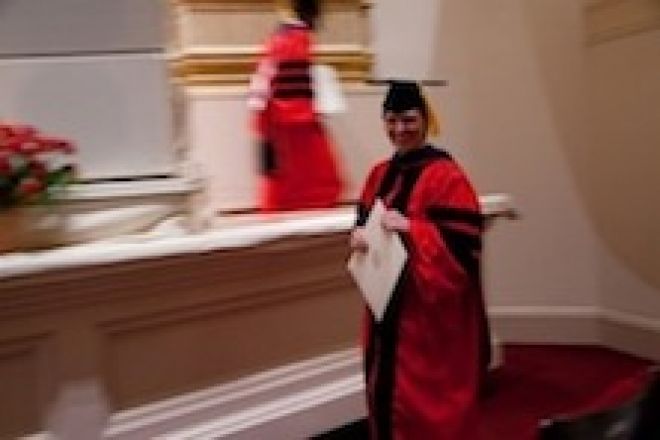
445,237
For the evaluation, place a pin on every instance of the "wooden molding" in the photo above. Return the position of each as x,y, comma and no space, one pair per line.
297,399
202,6
235,302
103,284
155,327
212,46
23,382
608,20
216,66
272,3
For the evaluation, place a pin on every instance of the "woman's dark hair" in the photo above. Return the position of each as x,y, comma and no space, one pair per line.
307,10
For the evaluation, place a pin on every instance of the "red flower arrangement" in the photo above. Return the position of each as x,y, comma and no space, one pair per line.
33,167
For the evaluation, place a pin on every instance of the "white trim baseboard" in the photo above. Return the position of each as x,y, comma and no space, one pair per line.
631,320
327,390
293,416
631,333
623,331
546,324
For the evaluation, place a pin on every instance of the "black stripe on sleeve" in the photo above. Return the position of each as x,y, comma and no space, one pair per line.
464,247
294,64
300,78
293,93
449,214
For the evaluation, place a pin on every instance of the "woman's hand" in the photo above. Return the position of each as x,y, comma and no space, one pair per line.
358,243
393,220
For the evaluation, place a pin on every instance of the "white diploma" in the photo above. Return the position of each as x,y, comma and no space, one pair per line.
328,96
377,270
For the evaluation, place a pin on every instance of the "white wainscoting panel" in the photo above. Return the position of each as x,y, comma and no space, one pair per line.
116,108
66,26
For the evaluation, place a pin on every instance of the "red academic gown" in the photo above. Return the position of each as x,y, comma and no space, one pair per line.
425,360
298,167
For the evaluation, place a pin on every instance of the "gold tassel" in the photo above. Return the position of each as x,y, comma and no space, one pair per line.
433,120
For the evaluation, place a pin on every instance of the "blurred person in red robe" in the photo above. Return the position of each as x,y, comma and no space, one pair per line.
298,166
426,359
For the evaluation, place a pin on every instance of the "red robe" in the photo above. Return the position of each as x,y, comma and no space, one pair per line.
298,166
424,361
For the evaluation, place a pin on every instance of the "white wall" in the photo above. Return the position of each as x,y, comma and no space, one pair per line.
624,87
65,26
93,71
510,76
402,38
571,131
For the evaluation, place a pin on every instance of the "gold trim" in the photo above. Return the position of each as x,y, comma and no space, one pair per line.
220,65
252,5
607,20
271,2
235,68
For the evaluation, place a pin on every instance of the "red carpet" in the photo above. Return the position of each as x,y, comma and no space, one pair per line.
538,382
541,381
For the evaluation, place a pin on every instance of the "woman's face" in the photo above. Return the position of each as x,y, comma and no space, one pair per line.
406,129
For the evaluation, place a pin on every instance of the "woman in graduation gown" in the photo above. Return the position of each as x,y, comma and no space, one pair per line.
425,359
298,167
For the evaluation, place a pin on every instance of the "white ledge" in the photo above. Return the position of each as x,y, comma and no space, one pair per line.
150,187
228,233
